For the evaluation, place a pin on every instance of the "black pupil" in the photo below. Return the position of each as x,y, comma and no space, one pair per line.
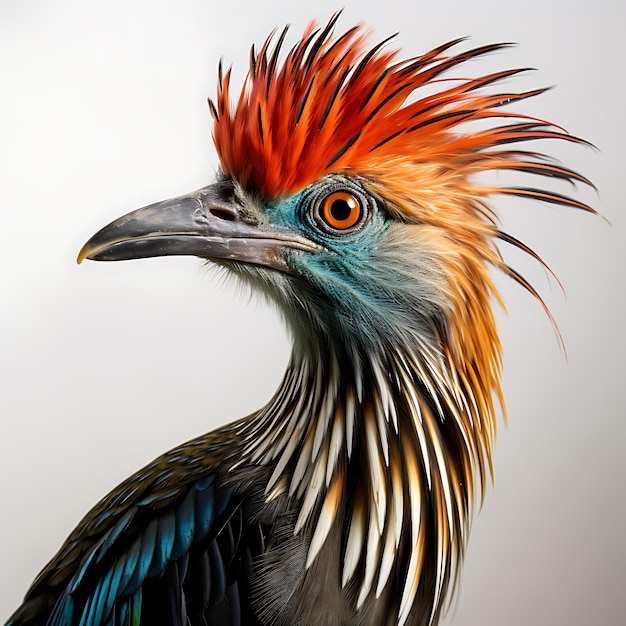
340,210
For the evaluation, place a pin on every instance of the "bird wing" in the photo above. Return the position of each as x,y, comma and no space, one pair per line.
168,546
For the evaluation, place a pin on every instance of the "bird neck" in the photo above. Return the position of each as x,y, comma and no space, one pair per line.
382,440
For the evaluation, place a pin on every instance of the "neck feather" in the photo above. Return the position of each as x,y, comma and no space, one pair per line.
391,444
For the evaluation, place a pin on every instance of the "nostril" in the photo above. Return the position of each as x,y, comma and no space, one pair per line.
222,214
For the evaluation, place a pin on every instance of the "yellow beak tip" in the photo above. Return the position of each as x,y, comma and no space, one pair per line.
82,255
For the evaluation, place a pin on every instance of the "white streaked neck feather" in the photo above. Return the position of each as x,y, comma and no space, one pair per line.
411,515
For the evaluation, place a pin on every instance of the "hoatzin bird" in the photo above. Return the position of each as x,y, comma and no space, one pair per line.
347,194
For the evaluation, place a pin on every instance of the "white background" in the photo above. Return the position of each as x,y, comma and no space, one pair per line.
104,366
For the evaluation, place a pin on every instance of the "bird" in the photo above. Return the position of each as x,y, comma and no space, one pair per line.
353,192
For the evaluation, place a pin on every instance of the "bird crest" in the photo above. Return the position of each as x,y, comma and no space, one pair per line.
333,105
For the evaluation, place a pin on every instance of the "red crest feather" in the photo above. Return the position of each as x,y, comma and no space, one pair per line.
334,106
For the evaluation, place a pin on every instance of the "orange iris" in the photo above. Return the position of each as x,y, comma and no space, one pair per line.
340,210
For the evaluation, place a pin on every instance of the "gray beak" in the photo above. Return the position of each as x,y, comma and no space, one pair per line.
207,223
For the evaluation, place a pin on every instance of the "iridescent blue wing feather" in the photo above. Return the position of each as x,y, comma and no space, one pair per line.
153,551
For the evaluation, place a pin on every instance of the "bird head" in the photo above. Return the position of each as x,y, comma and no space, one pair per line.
349,193
351,199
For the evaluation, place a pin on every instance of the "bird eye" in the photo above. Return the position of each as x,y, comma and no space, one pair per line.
340,211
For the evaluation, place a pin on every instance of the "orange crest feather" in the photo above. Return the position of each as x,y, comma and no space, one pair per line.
335,106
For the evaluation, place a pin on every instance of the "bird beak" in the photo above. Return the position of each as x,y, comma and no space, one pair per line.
208,223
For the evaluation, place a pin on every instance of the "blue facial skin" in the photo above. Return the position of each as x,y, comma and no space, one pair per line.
348,257
355,285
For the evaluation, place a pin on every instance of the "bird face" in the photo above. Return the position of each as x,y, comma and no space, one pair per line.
336,218
332,255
